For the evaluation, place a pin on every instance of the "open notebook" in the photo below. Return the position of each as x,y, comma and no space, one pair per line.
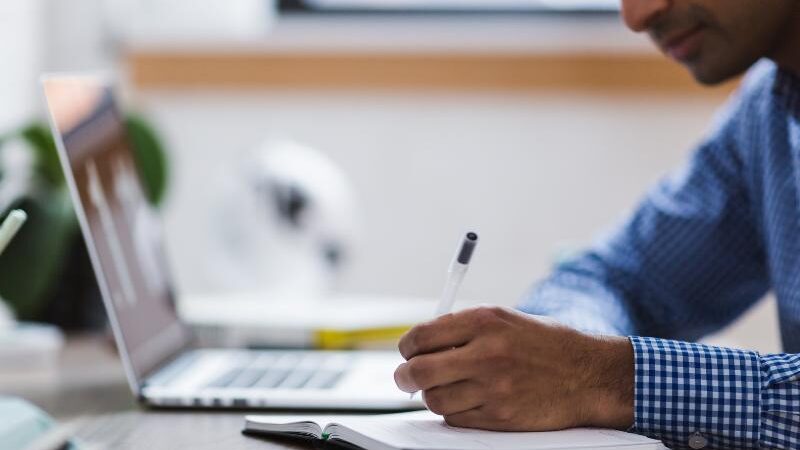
423,430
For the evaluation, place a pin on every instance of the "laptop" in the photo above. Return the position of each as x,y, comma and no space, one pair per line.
122,232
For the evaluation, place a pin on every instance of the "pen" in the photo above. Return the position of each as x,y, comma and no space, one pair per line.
455,274
456,271
10,227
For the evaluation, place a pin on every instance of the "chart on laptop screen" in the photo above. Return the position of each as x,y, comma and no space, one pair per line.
122,227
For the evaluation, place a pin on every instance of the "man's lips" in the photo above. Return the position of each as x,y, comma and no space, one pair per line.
684,44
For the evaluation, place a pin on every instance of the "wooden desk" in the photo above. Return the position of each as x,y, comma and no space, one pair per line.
89,388
174,431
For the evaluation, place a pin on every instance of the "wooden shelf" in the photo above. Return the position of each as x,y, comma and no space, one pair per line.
632,72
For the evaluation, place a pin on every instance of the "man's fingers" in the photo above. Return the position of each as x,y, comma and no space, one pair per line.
448,330
435,369
472,418
444,332
454,398
486,417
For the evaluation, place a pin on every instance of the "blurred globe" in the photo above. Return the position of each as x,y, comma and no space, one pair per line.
286,221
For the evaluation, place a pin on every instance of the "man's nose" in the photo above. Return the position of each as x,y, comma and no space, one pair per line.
640,14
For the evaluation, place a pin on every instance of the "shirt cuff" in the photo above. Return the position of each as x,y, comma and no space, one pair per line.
696,396
780,397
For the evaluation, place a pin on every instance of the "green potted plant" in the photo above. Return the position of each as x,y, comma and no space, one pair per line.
45,273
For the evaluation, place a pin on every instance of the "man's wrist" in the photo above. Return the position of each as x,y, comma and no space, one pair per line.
609,381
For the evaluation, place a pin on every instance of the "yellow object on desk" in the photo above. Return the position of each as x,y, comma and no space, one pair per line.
333,339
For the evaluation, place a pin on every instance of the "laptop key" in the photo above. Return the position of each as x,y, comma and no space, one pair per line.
272,378
324,379
226,378
333,380
297,379
247,378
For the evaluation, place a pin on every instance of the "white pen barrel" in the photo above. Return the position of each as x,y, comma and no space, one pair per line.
454,278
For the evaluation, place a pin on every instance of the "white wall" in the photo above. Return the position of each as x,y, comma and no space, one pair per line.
21,55
78,37
46,35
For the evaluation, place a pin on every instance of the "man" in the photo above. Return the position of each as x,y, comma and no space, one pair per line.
701,248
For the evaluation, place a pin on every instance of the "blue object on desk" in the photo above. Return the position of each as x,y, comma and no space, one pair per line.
23,424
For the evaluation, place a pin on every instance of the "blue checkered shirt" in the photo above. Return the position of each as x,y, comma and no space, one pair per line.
703,246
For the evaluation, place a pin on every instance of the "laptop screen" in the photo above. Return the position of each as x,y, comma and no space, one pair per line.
121,229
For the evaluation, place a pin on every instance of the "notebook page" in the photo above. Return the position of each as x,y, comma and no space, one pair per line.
299,427
433,434
290,423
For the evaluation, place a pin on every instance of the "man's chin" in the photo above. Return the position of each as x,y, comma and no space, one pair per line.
709,75
707,79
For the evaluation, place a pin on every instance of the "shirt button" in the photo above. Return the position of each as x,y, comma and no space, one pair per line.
697,441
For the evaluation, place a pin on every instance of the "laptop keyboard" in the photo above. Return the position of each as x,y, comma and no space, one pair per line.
275,370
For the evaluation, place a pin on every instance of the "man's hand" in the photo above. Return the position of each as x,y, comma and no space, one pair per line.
500,369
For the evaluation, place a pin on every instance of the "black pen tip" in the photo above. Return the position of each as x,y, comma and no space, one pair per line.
467,247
